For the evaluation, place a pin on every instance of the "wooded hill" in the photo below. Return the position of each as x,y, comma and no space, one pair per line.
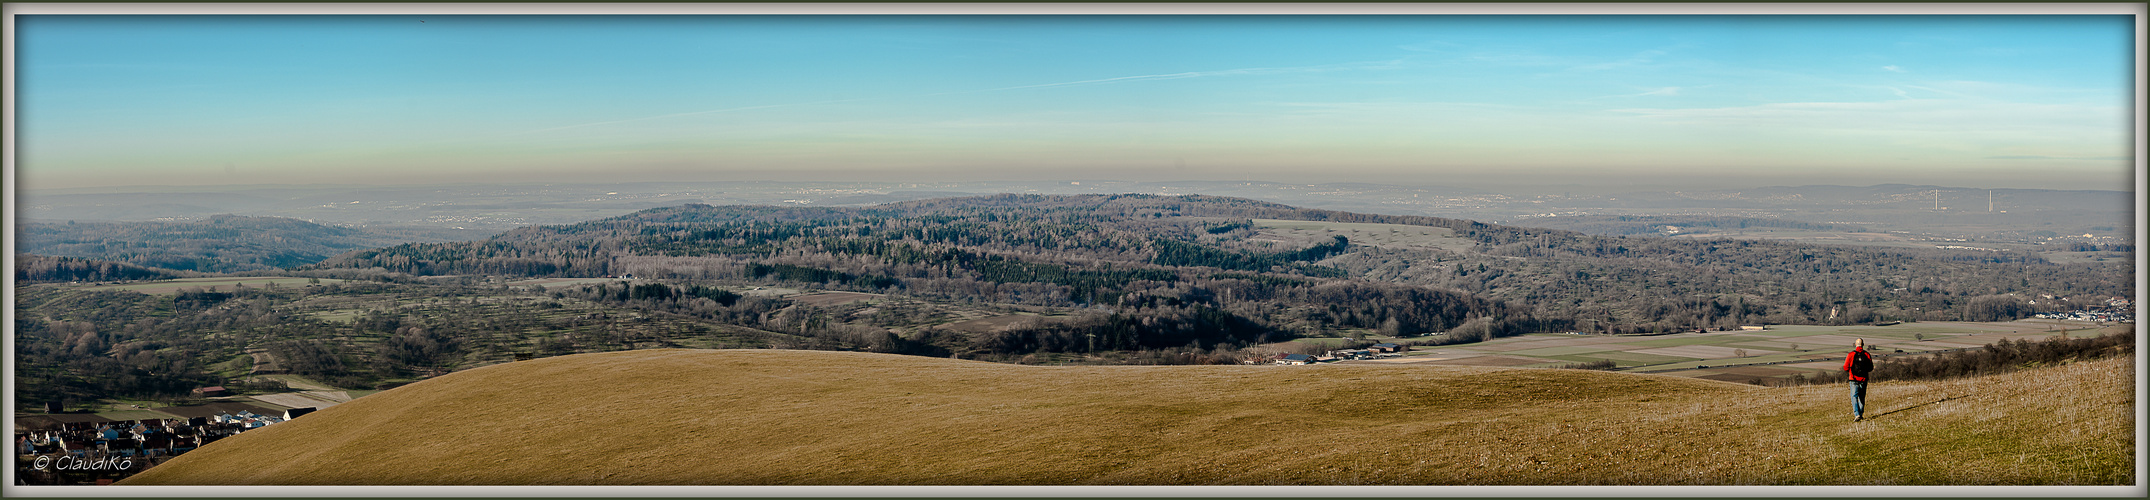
221,243
1133,272
1199,257
41,268
82,344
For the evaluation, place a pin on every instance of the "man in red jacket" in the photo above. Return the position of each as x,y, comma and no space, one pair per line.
1858,364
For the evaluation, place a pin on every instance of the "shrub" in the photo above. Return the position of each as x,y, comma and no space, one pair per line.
1996,358
1602,364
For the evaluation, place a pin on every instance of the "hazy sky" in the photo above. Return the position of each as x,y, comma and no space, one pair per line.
1977,101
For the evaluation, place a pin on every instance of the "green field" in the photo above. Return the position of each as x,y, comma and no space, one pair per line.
1680,339
561,282
1558,351
1635,358
1377,235
2085,257
300,383
340,315
133,415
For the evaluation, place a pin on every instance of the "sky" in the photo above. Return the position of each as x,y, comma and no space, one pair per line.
1730,101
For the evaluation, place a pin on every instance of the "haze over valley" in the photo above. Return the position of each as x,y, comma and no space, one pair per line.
1910,215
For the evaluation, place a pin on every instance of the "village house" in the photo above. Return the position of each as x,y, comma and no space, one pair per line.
148,441
245,419
1352,354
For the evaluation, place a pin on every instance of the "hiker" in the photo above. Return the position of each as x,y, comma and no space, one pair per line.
1858,364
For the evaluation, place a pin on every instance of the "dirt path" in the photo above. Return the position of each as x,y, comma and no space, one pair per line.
300,383
264,362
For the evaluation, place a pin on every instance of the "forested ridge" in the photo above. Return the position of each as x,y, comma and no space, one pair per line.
1090,249
222,243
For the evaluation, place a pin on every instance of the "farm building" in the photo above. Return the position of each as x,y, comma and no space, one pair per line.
209,411
245,419
1352,354
1386,347
1295,359
1753,327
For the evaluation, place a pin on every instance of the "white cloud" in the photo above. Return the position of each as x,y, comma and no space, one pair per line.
1894,68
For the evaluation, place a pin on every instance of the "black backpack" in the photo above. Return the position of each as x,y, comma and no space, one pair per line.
1861,364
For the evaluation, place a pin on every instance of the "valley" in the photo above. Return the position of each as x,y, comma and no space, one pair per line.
1033,280
1120,279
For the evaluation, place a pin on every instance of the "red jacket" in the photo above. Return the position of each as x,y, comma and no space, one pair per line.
1848,358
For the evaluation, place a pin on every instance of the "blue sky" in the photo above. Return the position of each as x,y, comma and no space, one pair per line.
1976,101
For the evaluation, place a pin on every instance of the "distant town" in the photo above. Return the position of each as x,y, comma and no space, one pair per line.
100,448
2116,310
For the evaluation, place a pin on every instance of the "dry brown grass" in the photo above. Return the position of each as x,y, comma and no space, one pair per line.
801,417
825,299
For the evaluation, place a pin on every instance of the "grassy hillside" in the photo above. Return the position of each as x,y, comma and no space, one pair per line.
805,417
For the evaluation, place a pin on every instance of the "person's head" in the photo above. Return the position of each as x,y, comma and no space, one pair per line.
1858,343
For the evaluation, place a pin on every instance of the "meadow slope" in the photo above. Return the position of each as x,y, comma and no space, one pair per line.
678,416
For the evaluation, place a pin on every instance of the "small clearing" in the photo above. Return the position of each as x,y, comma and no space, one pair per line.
222,284
1299,233
825,299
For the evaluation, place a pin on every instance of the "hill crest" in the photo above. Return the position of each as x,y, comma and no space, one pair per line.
809,417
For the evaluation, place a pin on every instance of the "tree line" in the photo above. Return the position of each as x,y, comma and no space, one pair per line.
1997,358
46,269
